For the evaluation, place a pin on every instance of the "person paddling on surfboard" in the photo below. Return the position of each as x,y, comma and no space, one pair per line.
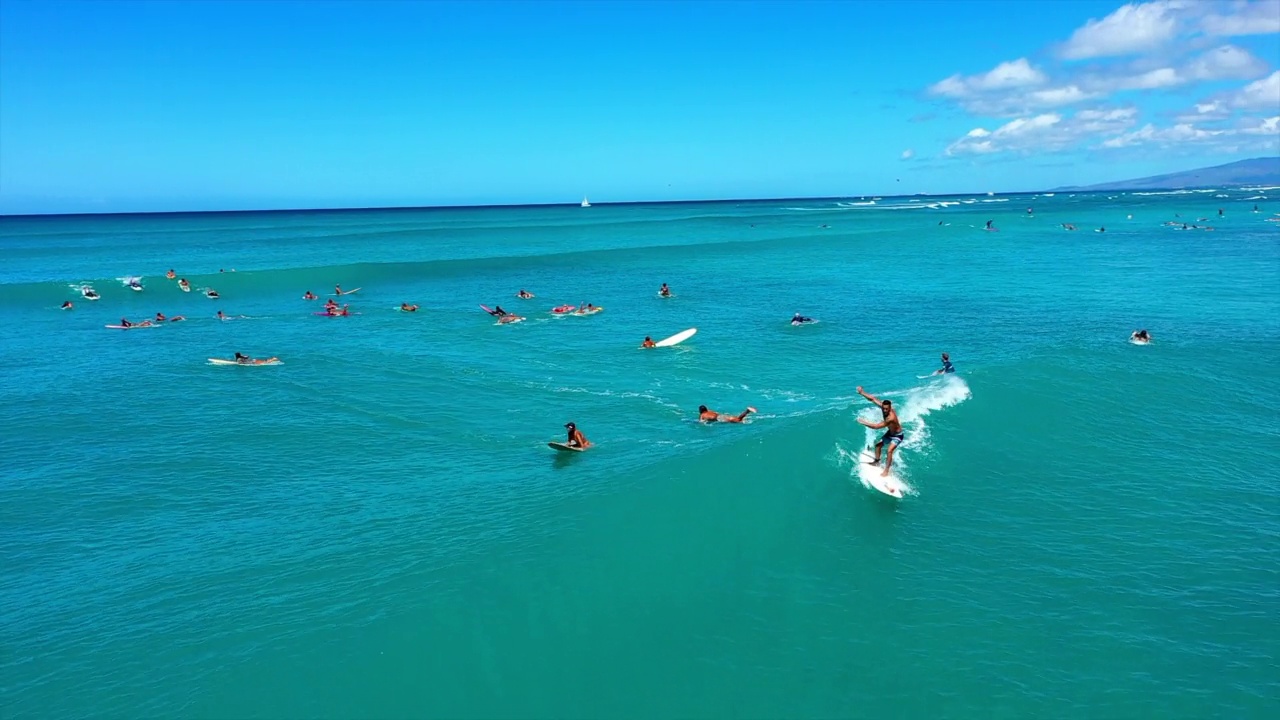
576,438
664,291
710,416
648,342
524,295
893,435
947,367
799,319
66,305
309,296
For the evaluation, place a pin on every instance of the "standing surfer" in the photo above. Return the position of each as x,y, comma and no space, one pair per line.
893,435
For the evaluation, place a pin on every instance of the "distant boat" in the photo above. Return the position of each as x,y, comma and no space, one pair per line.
584,202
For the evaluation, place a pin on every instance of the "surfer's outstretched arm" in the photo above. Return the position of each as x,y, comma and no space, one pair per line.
870,398
874,426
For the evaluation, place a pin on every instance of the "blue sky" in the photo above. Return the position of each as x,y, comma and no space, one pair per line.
157,106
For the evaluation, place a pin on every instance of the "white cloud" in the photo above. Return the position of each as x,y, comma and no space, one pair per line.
1225,63
1053,97
1044,132
908,154
1180,133
1261,94
1250,133
1206,112
1150,80
1007,75
1133,28
1261,17
1263,126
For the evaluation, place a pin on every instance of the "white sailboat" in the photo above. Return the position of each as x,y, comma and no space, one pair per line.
584,202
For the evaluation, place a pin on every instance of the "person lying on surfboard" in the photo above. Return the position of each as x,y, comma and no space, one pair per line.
211,294
799,319
576,438
524,295
66,305
309,296
509,318
947,367
893,435
648,342
246,360
171,275
710,416
184,284
125,323
406,307
664,291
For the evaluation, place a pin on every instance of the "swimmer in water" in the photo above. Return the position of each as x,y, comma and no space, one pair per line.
893,435
710,416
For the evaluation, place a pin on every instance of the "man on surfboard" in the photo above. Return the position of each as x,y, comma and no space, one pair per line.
648,342
576,438
947,367
710,416
893,435
664,291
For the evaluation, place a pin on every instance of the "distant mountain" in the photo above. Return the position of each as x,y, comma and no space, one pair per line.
1258,171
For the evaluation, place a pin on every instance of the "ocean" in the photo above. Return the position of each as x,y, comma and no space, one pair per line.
376,528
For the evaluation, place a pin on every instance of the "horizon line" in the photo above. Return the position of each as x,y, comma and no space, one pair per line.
501,206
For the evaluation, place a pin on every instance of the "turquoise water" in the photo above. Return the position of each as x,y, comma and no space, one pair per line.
376,528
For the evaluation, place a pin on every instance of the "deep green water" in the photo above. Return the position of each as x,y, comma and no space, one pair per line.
377,529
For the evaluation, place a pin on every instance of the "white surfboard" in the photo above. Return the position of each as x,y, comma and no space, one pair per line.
870,474
223,361
130,327
677,338
348,292
564,448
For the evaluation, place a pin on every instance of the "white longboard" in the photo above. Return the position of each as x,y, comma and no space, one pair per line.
347,292
564,448
677,338
222,361
130,327
870,475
